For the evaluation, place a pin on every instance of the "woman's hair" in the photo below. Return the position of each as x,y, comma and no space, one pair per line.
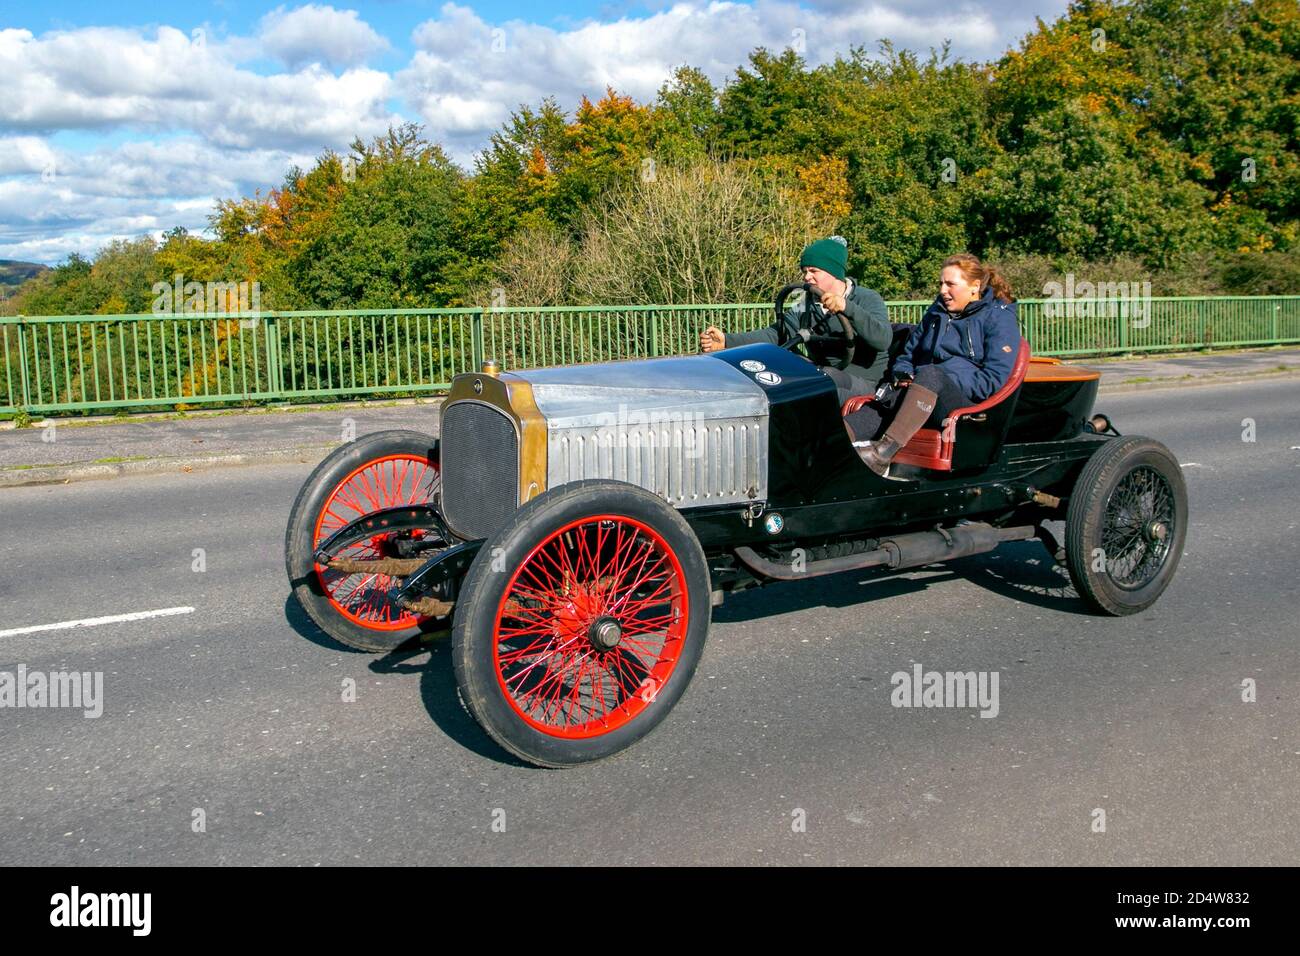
973,271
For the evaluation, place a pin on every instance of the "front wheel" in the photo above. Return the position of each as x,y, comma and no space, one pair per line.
1126,525
580,623
379,470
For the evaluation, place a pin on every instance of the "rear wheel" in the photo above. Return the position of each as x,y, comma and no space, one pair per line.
379,470
579,625
1126,525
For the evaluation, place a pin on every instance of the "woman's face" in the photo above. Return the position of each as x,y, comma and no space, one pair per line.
954,291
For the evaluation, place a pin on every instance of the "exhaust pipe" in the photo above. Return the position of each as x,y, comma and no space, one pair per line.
902,551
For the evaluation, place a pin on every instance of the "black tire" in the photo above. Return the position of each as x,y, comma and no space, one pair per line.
604,519
1126,525
300,539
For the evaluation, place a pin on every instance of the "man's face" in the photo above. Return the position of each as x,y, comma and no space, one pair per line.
820,278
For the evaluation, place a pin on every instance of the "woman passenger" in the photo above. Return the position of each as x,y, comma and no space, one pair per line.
960,353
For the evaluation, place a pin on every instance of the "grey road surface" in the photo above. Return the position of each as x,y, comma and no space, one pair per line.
225,739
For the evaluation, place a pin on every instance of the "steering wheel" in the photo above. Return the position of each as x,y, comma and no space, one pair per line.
812,329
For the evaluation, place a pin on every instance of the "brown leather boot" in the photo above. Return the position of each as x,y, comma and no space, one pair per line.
913,411
877,455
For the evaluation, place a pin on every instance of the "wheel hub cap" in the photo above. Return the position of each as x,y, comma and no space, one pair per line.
605,633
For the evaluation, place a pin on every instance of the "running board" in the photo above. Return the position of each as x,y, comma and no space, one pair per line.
902,551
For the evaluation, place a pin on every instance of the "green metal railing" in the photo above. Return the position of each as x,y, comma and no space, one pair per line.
108,362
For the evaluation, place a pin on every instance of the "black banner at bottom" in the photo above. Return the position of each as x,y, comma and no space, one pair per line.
126,906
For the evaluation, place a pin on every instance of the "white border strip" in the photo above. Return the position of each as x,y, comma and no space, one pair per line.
96,621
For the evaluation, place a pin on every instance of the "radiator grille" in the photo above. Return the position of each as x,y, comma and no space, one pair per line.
480,468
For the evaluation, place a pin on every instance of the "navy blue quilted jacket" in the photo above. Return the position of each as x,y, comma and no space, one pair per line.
976,347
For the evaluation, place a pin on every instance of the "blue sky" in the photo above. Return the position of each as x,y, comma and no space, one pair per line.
119,120
392,18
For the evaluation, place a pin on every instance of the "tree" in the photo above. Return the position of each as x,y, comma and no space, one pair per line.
1152,131
1086,56
1208,91
1223,87
773,107
686,117
67,289
515,179
537,267
607,145
915,134
124,274
1085,185
705,232
388,239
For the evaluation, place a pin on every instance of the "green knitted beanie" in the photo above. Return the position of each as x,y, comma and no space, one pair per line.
830,255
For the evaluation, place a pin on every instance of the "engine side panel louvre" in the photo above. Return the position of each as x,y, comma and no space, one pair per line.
687,463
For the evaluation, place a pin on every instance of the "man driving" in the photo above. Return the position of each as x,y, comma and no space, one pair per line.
824,264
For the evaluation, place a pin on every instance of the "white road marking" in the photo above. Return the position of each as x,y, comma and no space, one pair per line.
96,621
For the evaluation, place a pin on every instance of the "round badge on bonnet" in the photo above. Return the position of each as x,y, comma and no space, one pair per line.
768,378
751,365
478,386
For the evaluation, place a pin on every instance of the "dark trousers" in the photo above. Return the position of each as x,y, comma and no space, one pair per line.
848,383
868,422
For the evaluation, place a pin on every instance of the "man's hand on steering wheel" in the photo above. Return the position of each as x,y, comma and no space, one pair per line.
832,302
843,337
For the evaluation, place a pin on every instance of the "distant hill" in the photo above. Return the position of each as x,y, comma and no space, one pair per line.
14,273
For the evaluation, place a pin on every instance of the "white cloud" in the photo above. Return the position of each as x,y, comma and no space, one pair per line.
54,201
319,34
25,154
109,78
216,130
467,74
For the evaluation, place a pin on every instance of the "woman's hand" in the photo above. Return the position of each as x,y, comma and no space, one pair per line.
712,339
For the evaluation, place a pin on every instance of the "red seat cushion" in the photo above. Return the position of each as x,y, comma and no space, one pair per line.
926,443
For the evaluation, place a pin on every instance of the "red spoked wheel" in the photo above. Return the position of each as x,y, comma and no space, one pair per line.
591,626
379,470
580,624
362,596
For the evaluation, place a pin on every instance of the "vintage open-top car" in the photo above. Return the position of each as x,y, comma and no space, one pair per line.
574,526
